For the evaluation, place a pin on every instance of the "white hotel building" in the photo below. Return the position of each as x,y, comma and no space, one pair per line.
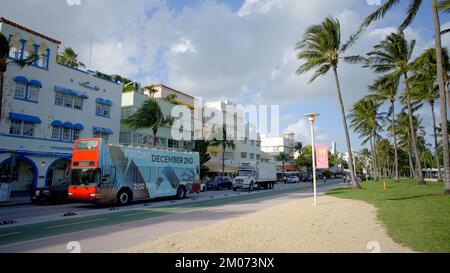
45,107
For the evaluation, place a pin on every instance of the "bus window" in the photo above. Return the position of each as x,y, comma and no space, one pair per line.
87,145
86,177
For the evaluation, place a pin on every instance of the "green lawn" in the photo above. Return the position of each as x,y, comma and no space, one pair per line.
415,216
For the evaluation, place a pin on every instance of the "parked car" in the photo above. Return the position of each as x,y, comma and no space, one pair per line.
293,179
220,182
203,186
56,193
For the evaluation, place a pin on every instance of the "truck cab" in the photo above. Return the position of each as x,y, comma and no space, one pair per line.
245,179
255,175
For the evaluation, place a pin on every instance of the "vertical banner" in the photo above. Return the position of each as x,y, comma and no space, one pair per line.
322,157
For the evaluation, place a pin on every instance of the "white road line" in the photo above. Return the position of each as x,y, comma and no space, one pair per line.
9,234
77,223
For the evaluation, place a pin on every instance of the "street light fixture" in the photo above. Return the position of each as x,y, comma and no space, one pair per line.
311,117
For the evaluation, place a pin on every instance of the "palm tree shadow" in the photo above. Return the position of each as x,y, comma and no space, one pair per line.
409,197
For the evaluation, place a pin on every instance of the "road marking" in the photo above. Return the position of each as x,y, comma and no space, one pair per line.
8,234
77,223
138,213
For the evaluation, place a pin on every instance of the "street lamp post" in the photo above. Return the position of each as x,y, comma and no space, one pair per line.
311,118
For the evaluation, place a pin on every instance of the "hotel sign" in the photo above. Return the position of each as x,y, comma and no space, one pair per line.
89,86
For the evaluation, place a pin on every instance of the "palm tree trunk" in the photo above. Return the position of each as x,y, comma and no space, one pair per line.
282,172
373,159
223,160
394,136
411,165
355,184
1,93
442,96
436,147
419,174
155,141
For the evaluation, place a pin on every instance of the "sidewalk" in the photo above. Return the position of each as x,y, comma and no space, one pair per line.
16,201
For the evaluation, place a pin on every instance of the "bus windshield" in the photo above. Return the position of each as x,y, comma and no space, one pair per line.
87,145
86,177
245,173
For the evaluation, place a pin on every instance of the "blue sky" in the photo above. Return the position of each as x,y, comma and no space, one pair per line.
241,50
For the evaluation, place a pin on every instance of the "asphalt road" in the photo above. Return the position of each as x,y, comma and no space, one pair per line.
101,230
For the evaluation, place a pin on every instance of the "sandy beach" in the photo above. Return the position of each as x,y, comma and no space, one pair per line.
334,225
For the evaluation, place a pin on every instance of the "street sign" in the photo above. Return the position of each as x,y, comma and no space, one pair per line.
322,157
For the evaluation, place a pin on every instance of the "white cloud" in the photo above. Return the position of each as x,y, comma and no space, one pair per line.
183,45
302,132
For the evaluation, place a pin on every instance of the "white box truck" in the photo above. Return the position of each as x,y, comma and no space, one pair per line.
257,175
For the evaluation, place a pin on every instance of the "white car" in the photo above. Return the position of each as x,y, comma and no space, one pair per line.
293,179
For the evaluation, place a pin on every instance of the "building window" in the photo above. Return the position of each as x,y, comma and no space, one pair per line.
33,93
56,132
15,127
102,110
102,135
173,143
21,128
20,90
126,112
98,109
125,138
243,155
252,156
69,101
76,134
59,99
14,52
229,155
78,103
258,157
66,134
106,111
42,62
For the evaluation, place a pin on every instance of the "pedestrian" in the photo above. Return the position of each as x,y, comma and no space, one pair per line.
196,187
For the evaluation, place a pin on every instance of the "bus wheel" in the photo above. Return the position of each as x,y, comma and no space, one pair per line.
181,192
124,197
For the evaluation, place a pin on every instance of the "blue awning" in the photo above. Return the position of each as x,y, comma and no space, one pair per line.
108,102
108,131
78,126
100,100
35,83
68,91
102,130
22,117
68,125
21,79
57,123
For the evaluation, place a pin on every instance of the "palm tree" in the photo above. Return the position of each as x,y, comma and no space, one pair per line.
321,49
385,89
298,147
225,143
201,146
4,63
365,120
393,55
423,89
413,9
148,116
69,57
283,158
